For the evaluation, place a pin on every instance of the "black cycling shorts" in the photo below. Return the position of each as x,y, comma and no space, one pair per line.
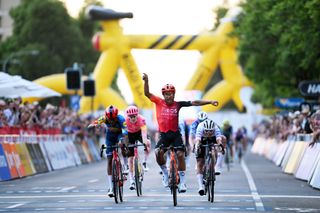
171,138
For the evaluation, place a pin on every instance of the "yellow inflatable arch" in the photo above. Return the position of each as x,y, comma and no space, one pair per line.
217,48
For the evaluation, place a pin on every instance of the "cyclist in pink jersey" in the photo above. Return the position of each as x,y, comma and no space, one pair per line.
167,111
137,130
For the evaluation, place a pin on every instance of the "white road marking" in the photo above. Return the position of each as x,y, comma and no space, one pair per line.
15,205
253,188
147,197
65,189
93,180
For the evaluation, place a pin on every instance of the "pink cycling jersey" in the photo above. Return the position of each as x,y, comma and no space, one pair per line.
135,127
167,115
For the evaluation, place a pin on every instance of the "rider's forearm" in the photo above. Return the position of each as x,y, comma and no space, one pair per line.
146,88
201,102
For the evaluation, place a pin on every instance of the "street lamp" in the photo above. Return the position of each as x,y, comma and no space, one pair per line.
17,54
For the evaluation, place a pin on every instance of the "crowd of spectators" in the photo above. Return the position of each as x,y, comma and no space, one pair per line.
284,125
32,117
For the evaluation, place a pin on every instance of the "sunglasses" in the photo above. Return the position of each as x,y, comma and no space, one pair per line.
132,116
208,131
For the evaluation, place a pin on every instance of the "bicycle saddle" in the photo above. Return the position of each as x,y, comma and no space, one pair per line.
102,14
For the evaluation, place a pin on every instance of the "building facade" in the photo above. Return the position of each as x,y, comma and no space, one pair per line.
6,23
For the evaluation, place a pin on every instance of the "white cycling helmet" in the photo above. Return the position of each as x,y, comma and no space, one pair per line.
208,124
202,116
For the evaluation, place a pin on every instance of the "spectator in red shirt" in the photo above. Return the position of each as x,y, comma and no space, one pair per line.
167,111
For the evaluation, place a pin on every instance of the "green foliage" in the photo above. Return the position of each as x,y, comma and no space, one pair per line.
279,45
46,26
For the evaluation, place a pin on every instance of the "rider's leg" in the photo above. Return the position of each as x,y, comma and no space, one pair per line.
109,167
146,155
131,179
162,163
200,163
182,170
218,166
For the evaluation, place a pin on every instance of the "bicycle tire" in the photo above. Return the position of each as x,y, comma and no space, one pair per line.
205,179
227,158
173,183
212,181
115,180
121,182
141,173
136,176
208,177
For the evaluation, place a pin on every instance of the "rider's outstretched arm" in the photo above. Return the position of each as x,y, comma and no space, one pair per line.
204,102
146,85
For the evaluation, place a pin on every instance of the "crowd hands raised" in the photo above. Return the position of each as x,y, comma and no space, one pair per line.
35,119
282,126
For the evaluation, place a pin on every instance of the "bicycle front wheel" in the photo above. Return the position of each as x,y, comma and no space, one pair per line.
173,183
121,182
211,181
136,176
115,180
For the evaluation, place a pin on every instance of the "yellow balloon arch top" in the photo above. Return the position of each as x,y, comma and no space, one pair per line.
217,48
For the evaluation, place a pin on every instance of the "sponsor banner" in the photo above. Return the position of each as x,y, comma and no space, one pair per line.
17,160
4,169
86,151
10,159
306,166
285,103
310,88
93,150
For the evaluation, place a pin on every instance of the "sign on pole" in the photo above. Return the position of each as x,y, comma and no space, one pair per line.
310,88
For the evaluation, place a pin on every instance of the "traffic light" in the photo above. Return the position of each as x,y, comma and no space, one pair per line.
73,78
89,88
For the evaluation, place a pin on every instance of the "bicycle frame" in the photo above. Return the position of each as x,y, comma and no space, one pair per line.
138,171
209,177
174,178
118,177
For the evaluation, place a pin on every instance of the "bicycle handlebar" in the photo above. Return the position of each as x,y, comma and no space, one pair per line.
171,147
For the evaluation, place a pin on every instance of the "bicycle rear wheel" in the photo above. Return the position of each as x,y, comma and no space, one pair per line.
173,183
136,176
115,180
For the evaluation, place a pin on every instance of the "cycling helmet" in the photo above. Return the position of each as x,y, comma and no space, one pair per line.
202,116
225,122
168,88
208,124
111,112
132,110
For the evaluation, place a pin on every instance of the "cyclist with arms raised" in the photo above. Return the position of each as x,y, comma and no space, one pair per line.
137,130
167,111
207,132
116,129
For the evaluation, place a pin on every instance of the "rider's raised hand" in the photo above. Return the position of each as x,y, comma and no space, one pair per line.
215,103
145,77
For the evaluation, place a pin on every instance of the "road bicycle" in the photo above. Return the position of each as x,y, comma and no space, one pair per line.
174,178
118,178
239,149
138,170
227,158
209,176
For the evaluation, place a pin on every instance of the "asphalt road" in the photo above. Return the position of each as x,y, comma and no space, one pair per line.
255,185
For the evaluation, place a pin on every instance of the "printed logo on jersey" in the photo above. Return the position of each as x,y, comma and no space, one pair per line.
169,112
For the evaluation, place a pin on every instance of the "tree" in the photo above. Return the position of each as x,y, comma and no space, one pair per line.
46,26
279,46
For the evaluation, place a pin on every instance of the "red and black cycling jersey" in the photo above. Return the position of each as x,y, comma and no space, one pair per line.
168,115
